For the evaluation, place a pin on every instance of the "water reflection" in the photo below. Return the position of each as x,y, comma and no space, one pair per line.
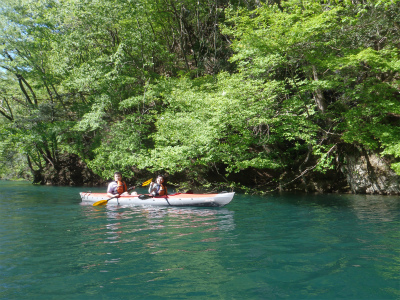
122,222
171,241
373,208
273,247
320,243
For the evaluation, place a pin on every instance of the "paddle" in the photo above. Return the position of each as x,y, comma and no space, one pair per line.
144,197
147,182
104,202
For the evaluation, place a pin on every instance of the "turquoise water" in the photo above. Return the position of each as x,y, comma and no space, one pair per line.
283,246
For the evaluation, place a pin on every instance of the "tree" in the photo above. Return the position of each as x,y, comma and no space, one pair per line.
339,66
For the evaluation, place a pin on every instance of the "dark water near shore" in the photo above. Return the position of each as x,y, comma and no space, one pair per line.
282,246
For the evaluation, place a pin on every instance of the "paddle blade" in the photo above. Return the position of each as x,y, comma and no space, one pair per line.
101,202
147,182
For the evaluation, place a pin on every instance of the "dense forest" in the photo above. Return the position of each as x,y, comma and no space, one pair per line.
223,94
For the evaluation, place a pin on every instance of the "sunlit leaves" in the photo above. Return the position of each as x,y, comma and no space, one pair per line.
326,53
122,84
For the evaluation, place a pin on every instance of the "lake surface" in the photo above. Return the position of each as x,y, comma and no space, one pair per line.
282,246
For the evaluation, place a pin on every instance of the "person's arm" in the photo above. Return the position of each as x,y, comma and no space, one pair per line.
111,189
151,187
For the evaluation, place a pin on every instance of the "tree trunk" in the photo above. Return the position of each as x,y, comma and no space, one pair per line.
318,94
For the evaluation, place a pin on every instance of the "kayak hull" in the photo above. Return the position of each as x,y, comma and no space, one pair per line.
178,199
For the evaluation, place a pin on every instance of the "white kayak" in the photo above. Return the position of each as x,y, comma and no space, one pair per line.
178,199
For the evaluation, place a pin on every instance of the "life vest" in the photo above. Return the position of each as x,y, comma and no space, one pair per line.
161,190
121,187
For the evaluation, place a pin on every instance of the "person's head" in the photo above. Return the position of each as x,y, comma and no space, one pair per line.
160,179
117,176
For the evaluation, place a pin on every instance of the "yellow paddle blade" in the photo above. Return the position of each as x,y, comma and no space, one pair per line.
147,182
101,202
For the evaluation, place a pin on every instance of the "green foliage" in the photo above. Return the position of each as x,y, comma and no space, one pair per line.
224,119
197,88
340,58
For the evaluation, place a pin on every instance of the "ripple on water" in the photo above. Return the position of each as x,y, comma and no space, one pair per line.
280,246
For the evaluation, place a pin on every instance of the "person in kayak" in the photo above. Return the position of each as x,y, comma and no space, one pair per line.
158,188
117,187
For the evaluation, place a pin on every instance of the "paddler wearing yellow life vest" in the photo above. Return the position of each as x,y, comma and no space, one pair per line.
117,187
